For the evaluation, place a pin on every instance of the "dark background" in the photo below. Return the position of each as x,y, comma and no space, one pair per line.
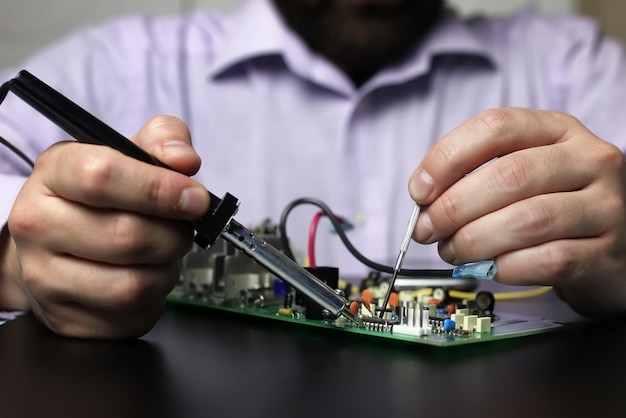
203,363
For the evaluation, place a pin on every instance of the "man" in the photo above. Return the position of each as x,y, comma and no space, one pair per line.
340,100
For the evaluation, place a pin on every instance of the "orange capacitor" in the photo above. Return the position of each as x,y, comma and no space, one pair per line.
354,308
367,296
451,308
393,300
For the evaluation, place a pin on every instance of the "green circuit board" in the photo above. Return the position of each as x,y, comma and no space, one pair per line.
232,283
503,326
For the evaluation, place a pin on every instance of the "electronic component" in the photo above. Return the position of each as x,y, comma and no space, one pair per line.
485,301
417,318
482,270
449,325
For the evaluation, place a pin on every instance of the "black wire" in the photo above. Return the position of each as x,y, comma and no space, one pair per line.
17,151
342,235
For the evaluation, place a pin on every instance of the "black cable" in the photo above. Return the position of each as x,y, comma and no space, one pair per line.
17,151
342,235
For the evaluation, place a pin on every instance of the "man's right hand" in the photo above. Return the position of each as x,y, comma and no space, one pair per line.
95,237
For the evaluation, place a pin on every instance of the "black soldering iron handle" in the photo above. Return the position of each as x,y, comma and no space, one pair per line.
86,128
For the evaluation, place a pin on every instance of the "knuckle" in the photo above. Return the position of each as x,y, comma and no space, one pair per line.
136,288
494,121
448,152
608,156
23,222
134,239
567,120
613,211
157,193
129,289
558,262
512,172
128,234
34,278
536,220
466,243
449,209
93,174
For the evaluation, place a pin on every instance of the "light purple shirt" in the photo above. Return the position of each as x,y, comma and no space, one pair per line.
274,122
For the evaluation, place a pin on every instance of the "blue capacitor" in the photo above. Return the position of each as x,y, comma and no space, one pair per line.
280,287
449,325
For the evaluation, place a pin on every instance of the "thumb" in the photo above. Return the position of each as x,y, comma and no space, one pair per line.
167,139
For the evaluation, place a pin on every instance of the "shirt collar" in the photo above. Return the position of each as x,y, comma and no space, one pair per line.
451,37
257,30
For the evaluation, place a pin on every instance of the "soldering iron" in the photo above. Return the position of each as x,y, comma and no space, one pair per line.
217,221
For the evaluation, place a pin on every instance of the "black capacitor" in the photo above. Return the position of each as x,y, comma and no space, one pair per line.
485,302
288,299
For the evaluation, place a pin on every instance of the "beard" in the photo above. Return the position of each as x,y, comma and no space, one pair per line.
360,36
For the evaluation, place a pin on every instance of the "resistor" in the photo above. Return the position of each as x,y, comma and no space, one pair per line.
285,312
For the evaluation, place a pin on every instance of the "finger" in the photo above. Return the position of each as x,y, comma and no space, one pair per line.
488,135
78,321
553,263
58,279
102,177
103,235
168,140
529,223
503,181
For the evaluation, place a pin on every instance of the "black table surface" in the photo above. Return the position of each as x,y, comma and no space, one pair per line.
203,363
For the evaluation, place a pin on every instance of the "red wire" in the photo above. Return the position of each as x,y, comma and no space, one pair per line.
312,234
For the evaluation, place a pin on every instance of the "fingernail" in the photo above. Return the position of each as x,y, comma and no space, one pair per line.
192,201
421,185
177,147
424,227
447,252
